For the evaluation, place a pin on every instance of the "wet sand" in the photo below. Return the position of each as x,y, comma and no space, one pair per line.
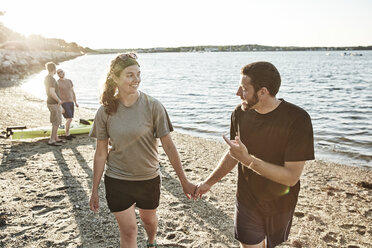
44,194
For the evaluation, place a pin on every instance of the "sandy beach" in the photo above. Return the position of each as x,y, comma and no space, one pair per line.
44,194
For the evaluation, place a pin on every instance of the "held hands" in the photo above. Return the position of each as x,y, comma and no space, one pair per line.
201,189
189,189
193,191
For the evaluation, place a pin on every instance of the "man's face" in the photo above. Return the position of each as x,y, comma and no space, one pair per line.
60,73
247,93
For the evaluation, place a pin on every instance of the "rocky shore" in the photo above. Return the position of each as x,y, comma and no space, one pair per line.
14,65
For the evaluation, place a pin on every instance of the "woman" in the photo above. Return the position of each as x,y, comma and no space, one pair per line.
131,121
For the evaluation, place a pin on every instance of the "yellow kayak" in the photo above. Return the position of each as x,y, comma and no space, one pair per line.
81,127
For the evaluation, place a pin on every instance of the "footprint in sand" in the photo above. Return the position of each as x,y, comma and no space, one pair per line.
368,213
330,237
62,188
3,219
173,204
20,174
171,236
55,198
44,209
299,214
37,207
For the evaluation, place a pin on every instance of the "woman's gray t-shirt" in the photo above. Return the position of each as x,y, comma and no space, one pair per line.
133,132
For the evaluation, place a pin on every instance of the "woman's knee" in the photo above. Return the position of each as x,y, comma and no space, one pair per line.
129,232
149,219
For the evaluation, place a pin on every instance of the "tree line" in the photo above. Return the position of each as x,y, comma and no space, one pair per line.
12,40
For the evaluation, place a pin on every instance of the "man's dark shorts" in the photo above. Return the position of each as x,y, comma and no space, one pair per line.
69,109
251,227
122,194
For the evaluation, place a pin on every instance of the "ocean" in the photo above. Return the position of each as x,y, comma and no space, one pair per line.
198,91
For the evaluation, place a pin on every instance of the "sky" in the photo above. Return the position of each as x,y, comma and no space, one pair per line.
174,23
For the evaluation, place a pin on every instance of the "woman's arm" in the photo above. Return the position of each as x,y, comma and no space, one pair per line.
100,157
174,158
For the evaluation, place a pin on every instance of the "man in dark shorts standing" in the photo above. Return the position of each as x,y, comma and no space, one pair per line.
270,141
68,98
54,103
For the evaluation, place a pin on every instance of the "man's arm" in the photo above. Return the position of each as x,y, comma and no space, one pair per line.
288,175
174,158
226,164
53,94
73,94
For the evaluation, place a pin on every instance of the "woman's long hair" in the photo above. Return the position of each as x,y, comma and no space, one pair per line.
109,97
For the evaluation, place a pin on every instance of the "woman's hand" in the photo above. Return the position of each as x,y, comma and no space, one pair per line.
189,189
94,202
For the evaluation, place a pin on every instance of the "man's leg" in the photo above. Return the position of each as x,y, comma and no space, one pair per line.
249,227
53,134
260,245
67,126
55,119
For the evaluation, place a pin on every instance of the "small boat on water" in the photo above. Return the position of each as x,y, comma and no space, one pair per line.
351,54
22,132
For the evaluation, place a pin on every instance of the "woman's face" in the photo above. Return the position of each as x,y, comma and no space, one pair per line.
129,79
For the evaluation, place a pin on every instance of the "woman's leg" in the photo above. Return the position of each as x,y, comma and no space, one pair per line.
150,222
128,227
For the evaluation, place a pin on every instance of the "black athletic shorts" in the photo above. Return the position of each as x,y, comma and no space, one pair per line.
122,194
69,109
251,227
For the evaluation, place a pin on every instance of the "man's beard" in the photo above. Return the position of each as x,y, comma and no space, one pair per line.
250,103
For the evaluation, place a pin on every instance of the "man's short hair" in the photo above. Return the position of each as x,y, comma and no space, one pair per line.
50,66
263,74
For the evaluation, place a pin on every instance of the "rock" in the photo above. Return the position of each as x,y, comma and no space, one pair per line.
25,62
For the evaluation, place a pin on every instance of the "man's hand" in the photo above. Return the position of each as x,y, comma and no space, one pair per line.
239,151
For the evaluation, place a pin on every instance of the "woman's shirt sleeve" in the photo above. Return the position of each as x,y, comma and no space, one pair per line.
99,128
162,123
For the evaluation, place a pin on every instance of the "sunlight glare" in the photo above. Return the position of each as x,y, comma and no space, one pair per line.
35,85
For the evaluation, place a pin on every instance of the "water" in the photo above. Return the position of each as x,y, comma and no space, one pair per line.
198,90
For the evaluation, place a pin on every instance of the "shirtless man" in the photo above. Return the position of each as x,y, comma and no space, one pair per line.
68,97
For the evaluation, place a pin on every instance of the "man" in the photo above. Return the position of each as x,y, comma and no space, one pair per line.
270,141
53,103
68,98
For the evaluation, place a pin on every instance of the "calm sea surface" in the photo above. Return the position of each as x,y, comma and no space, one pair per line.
198,90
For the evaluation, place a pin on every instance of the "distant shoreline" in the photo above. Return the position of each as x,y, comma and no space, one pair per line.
232,48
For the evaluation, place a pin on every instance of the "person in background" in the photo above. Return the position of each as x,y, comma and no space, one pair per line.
270,141
68,97
132,122
53,103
